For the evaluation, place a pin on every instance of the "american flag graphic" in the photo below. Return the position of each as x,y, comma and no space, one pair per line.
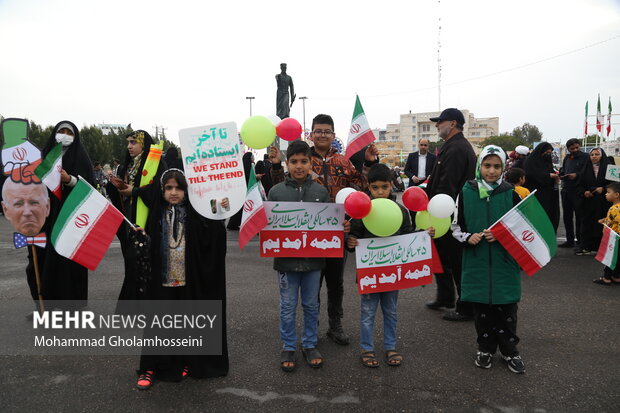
20,240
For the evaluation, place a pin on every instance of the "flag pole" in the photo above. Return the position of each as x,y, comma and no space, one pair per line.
124,217
38,278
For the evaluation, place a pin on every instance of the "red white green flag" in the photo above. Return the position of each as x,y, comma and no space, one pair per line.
608,250
585,122
609,118
527,234
85,226
599,115
360,134
49,170
254,217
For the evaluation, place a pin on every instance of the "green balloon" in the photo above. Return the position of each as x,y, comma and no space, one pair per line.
422,220
258,132
385,218
441,225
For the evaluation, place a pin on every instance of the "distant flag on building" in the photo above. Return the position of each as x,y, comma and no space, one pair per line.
86,225
360,134
585,122
21,240
599,116
608,249
527,234
49,170
609,118
254,217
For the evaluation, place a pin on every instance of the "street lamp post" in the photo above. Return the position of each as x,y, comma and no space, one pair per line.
250,98
303,100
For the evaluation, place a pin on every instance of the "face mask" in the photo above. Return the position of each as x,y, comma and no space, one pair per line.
66,140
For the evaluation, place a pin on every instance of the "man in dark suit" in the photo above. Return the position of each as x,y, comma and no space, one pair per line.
419,164
455,164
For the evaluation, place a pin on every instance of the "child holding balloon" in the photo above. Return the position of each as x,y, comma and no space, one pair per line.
491,277
379,186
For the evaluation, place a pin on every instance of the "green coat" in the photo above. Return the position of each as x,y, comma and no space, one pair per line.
490,275
291,191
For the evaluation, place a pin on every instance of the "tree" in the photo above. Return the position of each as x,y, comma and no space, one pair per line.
432,146
527,133
505,141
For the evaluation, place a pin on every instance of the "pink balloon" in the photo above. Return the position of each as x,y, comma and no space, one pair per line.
415,198
288,129
357,205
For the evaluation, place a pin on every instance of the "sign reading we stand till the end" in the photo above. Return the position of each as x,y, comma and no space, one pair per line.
394,263
212,161
303,229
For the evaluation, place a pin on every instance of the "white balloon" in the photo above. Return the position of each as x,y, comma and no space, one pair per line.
343,194
274,119
441,206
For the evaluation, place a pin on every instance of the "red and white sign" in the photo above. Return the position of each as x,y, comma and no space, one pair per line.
394,263
303,229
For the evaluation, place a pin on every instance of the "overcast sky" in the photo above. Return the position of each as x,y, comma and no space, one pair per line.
188,63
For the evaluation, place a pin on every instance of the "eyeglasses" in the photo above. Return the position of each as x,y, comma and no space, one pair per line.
323,132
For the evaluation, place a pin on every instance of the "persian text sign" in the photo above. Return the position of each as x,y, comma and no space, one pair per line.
213,167
302,229
613,173
393,263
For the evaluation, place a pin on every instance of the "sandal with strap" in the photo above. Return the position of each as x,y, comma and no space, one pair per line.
600,281
145,380
393,358
287,356
185,372
312,354
369,359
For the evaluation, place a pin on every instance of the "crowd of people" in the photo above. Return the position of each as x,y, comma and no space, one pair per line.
161,257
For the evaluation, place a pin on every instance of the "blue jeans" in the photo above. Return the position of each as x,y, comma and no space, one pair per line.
291,283
369,305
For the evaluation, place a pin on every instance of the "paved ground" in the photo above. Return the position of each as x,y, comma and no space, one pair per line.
568,326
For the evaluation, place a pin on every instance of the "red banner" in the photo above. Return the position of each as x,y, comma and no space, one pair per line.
394,277
328,244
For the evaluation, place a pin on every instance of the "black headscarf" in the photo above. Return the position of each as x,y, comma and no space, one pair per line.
75,160
587,181
247,165
172,158
537,168
146,146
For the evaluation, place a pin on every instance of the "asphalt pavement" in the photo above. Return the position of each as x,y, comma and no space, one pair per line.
570,342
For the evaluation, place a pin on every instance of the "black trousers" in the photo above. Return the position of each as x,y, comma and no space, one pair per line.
568,212
608,272
451,255
333,274
496,326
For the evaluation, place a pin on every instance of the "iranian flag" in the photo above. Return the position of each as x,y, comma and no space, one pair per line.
599,115
360,134
608,250
85,226
254,218
49,170
609,118
527,234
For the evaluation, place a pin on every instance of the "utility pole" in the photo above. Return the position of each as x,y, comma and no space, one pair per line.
250,98
303,100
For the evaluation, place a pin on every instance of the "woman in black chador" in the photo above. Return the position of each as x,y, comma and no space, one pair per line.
187,263
591,202
540,175
64,279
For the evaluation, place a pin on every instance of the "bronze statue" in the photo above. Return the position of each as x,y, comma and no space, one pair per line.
284,82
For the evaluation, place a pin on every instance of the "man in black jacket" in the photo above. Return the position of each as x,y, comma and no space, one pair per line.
574,161
419,164
455,164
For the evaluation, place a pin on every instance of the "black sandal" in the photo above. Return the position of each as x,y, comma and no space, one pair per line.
311,354
369,359
145,380
601,282
287,356
393,358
